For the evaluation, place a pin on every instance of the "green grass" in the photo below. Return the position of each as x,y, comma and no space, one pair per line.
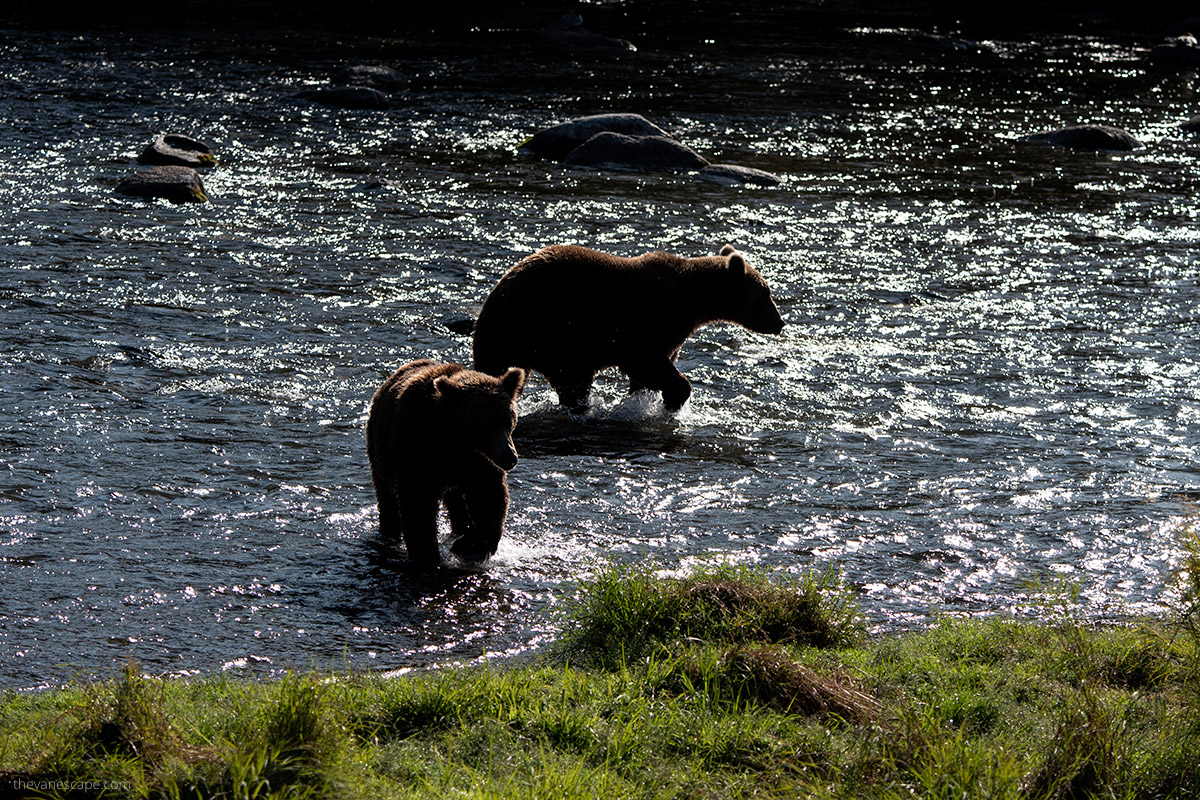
721,684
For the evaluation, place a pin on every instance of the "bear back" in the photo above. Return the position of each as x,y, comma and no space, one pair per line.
567,306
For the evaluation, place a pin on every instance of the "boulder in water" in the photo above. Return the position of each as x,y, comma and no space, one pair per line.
174,149
1180,53
351,97
568,33
651,153
175,183
372,76
732,175
559,140
1088,137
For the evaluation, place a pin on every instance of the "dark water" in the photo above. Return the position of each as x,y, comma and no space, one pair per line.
989,374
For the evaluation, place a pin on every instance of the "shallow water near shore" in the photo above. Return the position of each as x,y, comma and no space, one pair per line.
988,374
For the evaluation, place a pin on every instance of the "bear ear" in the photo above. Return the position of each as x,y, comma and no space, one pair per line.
444,385
737,264
513,381
727,250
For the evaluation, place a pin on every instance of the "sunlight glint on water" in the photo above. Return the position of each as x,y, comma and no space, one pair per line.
988,375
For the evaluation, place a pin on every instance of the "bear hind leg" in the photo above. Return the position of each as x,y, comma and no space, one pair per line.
572,389
419,518
385,499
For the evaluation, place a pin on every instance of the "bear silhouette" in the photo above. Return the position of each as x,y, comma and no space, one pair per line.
569,312
440,433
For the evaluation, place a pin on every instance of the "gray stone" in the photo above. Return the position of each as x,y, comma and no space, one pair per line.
351,97
1088,137
557,141
372,76
650,153
1182,53
173,149
174,183
569,33
731,174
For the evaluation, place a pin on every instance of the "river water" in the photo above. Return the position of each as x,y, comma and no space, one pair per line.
988,375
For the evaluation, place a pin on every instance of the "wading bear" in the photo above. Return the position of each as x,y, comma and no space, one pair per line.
570,312
441,433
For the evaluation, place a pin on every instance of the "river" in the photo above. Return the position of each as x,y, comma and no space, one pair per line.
987,379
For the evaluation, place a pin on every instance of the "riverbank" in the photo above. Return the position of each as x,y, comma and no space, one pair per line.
718,684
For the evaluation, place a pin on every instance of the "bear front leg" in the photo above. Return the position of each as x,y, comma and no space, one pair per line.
662,377
635,385
461,524
419,520
486,505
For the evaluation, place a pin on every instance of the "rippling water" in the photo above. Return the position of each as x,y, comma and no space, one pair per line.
989,374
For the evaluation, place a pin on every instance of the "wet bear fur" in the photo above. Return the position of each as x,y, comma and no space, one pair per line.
441,433
569,312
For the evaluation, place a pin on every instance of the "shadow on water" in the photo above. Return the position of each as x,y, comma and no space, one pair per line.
557,433
416,600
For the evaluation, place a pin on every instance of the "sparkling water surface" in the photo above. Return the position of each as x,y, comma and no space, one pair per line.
988,375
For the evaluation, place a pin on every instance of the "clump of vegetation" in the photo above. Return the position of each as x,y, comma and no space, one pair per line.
624,617
723,683
766,676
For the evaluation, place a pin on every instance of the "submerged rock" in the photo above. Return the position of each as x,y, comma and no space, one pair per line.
174,183
1179,53
609,149
379,185
371,76
630,141
559,140
173,149
351,97
952,45
731,174
568,32
461,324
1192,125
1088,137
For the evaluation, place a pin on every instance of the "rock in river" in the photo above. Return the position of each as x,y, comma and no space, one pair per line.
732,174
353,97
557,141
174,149
650,153
569,33
1088,137
1180,53
372,76
174,183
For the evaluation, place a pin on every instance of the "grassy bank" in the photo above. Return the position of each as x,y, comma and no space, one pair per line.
722,684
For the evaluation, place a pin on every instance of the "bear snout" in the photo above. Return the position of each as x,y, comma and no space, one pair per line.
769,321
508,461
503,455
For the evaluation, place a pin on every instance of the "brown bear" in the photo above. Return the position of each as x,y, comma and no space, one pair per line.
441,433
570,312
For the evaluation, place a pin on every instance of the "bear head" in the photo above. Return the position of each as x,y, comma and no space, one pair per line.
750,303
481,410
